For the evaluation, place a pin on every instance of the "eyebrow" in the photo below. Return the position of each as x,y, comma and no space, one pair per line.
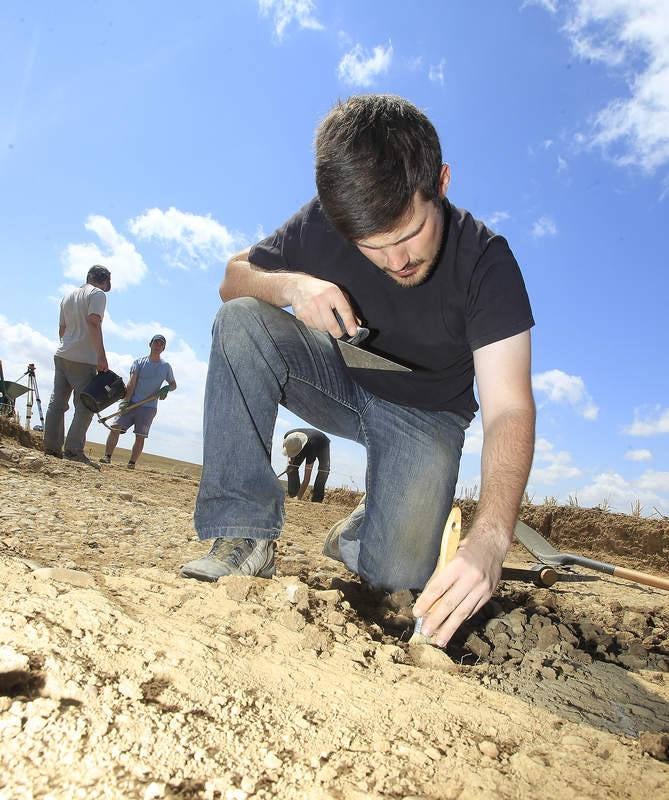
399,241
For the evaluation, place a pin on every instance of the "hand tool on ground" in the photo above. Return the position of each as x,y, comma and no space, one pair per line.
354,356
450,539
120,411
547,554
542,575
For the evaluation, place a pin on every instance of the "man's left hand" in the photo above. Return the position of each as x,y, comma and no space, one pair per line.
463,586
163,392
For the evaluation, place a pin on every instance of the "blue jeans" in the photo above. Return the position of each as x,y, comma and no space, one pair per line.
261,357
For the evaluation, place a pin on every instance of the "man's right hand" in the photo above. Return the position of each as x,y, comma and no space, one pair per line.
313,301
102,364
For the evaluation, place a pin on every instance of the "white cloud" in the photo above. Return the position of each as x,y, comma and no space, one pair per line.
301,12
559,387
549,5
358,69
654,481
620,493
473,438
436,72
415,63
638,455
496,217
633,36
544,226
200,239
562,164
557,466
141,331
656,421
117,254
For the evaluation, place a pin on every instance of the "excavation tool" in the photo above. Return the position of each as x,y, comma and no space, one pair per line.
9,392
354,356
450,539
543,576
32,397
547,554
120,411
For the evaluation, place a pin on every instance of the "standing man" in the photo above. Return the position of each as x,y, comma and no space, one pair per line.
147,375
80,354
307,445
441,293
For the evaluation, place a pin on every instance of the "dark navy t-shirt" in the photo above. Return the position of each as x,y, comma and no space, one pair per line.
474,296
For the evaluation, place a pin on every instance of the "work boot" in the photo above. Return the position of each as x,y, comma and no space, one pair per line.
54,453
233,557
105,459
331,544
131,465
80,458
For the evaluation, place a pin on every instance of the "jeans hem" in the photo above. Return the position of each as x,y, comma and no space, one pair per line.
237,532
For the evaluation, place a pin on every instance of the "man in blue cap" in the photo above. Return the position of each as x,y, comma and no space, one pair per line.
145,386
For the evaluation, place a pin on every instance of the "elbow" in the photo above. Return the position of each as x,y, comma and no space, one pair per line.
231,287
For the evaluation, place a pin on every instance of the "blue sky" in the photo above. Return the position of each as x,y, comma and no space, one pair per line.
160,138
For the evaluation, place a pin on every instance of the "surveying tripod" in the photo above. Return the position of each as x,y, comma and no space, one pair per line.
33,396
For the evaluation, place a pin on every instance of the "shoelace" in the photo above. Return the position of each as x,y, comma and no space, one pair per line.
233,550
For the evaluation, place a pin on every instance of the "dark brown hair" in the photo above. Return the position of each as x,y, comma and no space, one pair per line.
373,153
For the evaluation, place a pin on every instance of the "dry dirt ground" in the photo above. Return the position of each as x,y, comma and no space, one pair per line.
122,680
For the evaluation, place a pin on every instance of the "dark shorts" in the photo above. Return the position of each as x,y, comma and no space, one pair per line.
141,418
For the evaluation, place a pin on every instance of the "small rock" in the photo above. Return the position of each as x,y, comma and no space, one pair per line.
655,744
489,749
272,761
574,741
125,496
155,790
130,689
400,600
429,657
74,577
329,596
548,673
478,646
12,661
336,618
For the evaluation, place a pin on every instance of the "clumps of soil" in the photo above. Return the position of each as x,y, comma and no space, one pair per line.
10,429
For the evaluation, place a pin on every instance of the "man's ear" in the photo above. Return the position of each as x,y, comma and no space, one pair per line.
444,179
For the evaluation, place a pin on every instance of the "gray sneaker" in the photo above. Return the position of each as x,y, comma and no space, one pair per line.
80,458
331,544
233,557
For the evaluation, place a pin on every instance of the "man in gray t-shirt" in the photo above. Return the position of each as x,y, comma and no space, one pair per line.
80,354
147,376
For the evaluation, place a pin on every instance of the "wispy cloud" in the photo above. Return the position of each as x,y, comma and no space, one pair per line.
633,39
549,5
551,466
649,422
559,387
638,455
285,12
620,493
544,226
198,239
116,253
358,68
496,217
135,331
436,72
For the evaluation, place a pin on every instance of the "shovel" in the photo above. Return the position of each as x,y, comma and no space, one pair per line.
547,554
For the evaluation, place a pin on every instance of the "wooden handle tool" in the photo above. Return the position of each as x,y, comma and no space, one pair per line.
450,539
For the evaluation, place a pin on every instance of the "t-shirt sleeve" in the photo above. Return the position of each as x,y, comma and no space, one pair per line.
282,250
61,316
134,367
97,302
170,375
497,301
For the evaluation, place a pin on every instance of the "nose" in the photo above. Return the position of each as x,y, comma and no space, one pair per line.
397,258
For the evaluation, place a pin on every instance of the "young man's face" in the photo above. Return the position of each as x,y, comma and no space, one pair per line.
157,347
408,253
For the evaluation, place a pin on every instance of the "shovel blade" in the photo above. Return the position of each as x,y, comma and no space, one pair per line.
537,545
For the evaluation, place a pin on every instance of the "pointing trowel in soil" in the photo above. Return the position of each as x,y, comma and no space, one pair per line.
547,554
450,539
357,358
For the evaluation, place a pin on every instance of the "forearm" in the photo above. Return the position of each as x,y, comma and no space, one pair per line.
508,447
305,482
242,279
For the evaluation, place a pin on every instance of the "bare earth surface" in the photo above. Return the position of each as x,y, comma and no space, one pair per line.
122,680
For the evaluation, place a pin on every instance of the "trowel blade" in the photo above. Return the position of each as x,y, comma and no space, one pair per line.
357,358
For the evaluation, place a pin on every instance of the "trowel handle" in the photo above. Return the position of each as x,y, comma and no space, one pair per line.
360,336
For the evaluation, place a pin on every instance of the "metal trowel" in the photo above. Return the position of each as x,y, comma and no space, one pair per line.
357,358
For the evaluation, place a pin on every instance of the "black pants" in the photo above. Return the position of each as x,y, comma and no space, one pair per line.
318,492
